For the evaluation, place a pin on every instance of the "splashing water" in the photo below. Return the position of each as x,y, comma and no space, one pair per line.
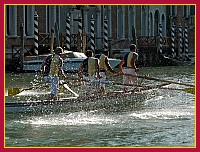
165,119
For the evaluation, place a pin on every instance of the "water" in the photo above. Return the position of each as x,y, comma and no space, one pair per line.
165,119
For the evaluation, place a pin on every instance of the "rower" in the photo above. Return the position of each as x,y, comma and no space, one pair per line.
89,70
104,66
130,67
52,70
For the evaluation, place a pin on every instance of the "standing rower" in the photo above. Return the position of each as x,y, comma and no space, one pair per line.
130,67
104,66
89,70
52,70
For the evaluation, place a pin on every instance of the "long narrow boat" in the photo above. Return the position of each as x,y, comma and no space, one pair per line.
109,100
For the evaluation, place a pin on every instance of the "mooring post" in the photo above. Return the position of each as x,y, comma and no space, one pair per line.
92,38
68,34
36,33
80,32
52,40
173,53
160,39
180,41
186,42
21,62
105,33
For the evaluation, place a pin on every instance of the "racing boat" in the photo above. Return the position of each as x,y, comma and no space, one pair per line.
88,102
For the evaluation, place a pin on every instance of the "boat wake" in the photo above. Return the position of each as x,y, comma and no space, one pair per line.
167,114
72,119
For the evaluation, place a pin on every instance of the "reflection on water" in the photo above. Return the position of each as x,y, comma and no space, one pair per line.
161,118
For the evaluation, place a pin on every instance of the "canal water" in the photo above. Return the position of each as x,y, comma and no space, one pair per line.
166,118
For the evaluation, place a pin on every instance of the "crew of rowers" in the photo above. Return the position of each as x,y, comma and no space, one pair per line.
92,69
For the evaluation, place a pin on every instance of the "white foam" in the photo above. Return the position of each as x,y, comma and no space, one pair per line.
79,118
162,114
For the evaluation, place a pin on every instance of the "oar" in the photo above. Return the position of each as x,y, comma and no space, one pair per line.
109,82
157,79
15,91
188,90
70,90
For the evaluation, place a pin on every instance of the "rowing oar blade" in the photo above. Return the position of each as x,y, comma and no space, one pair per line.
14,91
70,90
190,90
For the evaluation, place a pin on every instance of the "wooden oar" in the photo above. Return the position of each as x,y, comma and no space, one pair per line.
100,81
157,79
70,90
188,90
15,91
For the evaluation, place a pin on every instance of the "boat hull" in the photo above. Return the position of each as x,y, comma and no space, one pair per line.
113,101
